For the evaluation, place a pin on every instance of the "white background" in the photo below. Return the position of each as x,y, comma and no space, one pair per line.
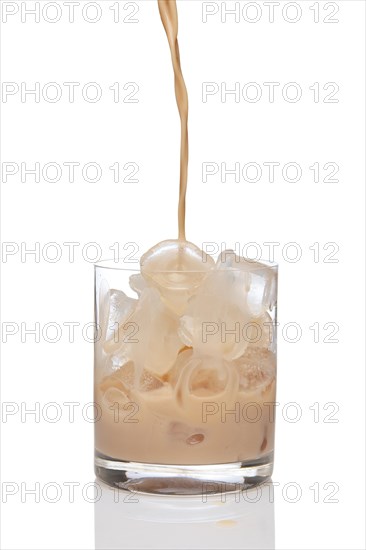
36,289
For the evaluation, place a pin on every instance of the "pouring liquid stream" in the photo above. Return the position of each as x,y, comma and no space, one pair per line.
169,17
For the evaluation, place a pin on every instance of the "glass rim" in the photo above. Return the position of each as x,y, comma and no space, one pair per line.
121,265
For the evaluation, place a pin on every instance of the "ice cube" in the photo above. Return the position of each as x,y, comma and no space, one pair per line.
103,306
256,369
261,282
121,308
261,332
184,357
209,380
176,268
149,382
203,376
123,378
152,342
216,316
137,283
113,396
116,387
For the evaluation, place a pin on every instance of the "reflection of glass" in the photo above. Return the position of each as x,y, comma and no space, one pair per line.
242,520
185,376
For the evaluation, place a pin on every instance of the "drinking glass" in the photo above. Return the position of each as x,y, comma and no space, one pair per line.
185,380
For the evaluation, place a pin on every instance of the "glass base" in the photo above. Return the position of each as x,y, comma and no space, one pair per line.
165,479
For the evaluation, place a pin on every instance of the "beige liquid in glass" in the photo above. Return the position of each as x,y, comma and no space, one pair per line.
198,385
